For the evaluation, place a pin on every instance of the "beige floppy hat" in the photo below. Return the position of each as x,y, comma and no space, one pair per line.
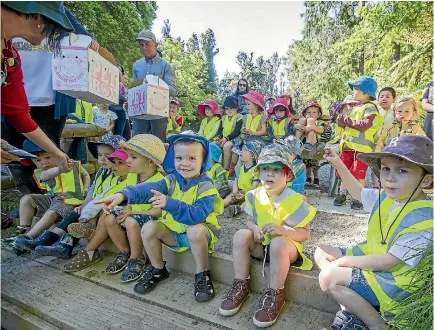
146,145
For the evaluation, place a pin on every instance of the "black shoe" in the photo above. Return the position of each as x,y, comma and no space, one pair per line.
316,182
356,205
60,249
29,244
308,182
150,278
203,288
340,200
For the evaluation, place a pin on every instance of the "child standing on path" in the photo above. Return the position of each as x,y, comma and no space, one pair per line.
280,125
361,124
190,205
211,122
104,118
386,99
378,274
277,224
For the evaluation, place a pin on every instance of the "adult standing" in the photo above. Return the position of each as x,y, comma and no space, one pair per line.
152,63
428,106
242,88
33,21
118,109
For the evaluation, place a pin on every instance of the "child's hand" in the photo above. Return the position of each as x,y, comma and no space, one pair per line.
258,235
110,202
331,156
223,141
247,131
309,128
122,217
159,200
273,229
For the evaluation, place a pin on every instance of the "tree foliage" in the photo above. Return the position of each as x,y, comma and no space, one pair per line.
210,50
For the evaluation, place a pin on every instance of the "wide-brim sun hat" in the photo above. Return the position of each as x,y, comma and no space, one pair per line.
253,145
255,98
53,10
212,104
110,140
216,152
366,84
294,145
335,109
169,159
415,149
280,102
119,153
231,102
148,146
312,103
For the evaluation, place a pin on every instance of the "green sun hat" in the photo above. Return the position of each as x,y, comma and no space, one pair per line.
273,165
53,10
275,156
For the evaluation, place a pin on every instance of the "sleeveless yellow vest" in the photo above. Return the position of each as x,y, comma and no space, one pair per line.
393,286
170,130
100,184
361,141
117,184
245,178
254,124
337,134
279,128
229,123
208,125
144,207
290,210
215,171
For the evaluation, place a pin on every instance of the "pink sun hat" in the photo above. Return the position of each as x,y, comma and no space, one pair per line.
282,102
255,98
119,153
212,104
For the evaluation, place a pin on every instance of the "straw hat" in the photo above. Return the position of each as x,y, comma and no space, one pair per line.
148,146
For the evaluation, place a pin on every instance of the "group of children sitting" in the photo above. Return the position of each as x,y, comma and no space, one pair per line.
144,197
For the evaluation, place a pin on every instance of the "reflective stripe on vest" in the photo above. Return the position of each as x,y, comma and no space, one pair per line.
170,129
253,124
392,287
101,182
144,207
361,141
229,123
215,171
208,125
280,127
287,209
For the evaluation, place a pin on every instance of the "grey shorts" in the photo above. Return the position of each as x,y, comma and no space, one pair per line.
46,203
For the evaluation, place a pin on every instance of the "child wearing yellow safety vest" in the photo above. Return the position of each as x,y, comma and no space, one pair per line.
360,126
230,128
211,122
175,121
294,147
378,274
246,178
190,205
277,224
65,191
217,173
280,125
58,242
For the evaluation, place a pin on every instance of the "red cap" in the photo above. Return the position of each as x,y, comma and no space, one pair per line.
119,153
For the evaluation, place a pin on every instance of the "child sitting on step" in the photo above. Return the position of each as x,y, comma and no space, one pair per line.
65,191
211,122
58,242
175,121
280,125
145,155
217,173
378,274
245,177
277,224
190,205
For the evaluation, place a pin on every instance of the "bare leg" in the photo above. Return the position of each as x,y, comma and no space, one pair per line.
309,173
27,210
282,253
117,235
235,158
99,236
154,233
227,154
44,223
134,238
311,135
299,128
316,171
244,246
58,231
324,254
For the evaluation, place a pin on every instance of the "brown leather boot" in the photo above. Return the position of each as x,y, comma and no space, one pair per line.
270,306
235,297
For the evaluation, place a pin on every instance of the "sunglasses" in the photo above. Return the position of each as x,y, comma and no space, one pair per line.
242,85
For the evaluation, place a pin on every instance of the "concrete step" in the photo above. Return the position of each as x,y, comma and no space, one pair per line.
91,299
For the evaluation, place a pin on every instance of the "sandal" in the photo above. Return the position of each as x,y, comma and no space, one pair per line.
150,278
134,270
81,261
119,263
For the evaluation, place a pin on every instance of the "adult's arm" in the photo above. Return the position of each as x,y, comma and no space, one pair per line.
170,79
427,106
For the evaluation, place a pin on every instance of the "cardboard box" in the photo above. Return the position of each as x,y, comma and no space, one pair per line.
148,100
83,73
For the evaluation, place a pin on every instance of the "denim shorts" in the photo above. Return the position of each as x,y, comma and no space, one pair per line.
141,219
183,243
360,285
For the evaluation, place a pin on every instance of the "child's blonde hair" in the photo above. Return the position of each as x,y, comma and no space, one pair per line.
411,100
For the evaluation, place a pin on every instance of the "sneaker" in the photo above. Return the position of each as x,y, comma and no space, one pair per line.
356,205
271,305
346,321
316,183
235,297
203,288
81,230
308,182
234,210
340,200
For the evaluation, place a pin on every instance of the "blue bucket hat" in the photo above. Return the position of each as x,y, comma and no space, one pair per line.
31,147
110,140
366,84
253,145
231,102
216,152
169,160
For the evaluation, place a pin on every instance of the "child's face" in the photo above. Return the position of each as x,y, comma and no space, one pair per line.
137,163
104,107
405,112
273,179
208,111
253,108
231,111
280,112
119,167
173,109
386,99
44,160
188,159
312,112
399,178
359,95
103,151
246,155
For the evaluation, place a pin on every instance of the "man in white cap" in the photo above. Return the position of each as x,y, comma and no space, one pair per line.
152,63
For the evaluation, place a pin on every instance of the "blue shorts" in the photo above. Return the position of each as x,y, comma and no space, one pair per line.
141,219
182,241
360,285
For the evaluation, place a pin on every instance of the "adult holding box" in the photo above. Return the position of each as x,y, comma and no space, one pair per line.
152,64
